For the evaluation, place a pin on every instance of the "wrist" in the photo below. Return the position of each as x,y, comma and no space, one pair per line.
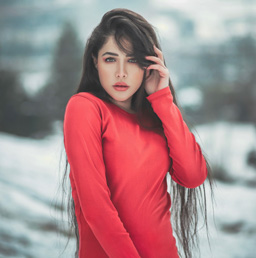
158,89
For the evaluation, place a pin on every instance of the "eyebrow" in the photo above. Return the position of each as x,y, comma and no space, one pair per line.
114,54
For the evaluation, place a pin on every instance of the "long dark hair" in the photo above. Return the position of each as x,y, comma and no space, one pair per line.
125,25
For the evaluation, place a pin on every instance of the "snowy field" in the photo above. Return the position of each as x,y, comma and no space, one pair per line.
29,174
234,233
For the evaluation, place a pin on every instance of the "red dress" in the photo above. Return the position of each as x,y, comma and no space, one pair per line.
118,175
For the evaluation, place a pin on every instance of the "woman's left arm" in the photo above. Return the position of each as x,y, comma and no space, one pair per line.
188,164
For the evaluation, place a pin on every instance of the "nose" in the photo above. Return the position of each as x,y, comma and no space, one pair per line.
121,71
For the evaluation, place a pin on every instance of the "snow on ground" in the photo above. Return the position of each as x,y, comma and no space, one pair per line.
234,233
227,145
30,174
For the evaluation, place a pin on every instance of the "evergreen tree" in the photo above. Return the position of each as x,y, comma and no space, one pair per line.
64,77
12,96
17,111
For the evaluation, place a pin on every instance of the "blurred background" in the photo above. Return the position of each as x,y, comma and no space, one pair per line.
210,50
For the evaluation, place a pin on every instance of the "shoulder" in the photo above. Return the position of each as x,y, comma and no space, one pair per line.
85,97
83,117
84,105
84,101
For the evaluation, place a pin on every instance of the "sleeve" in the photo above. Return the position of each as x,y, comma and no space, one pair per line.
83,144
188,164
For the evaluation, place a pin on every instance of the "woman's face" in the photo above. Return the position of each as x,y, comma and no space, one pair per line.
115,67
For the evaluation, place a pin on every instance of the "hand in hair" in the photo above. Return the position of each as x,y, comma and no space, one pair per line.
159,77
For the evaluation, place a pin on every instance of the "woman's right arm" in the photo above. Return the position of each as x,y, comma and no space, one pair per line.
83,144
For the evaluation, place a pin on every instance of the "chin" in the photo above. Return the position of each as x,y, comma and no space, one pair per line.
121,98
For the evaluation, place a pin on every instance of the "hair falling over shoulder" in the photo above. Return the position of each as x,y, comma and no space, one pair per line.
124,24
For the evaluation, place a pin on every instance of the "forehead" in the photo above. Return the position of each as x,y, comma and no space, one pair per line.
111,46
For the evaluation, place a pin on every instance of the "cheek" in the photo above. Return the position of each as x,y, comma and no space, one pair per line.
103,72
138,74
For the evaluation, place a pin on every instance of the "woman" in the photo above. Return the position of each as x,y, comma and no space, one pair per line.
122,133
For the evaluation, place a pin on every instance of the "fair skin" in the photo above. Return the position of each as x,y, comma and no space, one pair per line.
159,78
115,66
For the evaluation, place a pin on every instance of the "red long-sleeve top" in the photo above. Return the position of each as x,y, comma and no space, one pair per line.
118,175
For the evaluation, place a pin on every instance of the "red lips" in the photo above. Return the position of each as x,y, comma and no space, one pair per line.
121,84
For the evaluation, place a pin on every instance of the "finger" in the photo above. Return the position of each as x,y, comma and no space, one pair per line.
155,59
159,53
162,70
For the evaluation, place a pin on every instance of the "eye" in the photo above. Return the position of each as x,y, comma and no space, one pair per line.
132,60
109,59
